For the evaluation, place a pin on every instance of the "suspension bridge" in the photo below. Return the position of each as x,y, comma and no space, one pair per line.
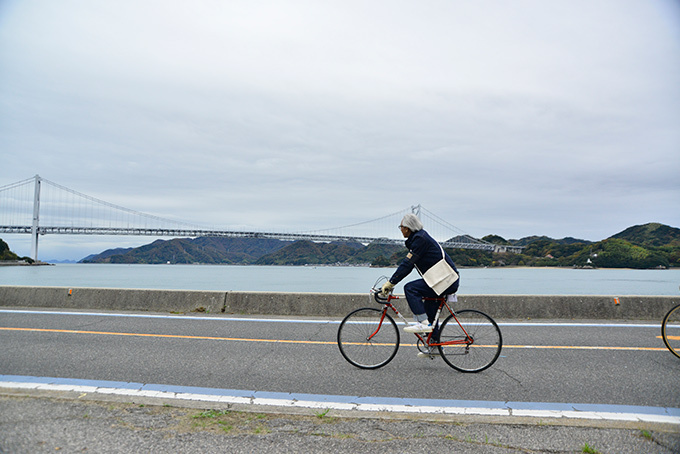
37,206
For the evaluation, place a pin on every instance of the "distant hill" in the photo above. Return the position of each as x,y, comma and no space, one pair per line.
495,239
647,246
653,234
99,258
310,253
10,258
208,250
532,239
6,254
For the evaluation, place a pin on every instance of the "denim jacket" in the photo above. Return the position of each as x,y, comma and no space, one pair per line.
424,252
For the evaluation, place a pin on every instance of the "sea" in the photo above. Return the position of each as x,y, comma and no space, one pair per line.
342,279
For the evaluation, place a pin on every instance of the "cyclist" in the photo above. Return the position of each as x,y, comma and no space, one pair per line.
428,257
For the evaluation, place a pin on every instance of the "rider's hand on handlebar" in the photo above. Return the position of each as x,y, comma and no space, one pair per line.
386,288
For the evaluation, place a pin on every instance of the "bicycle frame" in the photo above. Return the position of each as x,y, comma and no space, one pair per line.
368,337
442,303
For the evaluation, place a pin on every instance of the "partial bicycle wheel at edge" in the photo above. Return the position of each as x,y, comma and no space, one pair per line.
670,330
367,338
472,343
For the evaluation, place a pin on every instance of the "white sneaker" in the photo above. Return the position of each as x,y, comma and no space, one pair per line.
419,328
431,351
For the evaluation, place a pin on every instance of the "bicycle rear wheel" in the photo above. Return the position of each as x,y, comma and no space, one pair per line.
471,341
368,338
670,330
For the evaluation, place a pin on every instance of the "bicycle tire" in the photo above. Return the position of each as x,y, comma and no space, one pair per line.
670,330
484,349
368,340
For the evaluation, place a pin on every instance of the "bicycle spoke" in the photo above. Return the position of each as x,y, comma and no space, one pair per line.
470,342
368,339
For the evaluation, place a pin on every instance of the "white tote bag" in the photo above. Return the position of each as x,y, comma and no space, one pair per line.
440,276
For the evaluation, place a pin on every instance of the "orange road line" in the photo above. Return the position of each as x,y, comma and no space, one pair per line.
288,341
172,336
585,347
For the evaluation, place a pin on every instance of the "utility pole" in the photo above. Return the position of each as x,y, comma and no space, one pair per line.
36,219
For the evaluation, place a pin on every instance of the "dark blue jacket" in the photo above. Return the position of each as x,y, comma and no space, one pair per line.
424,252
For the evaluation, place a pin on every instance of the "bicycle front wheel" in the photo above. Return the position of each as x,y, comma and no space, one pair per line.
368,338
670,330
471,341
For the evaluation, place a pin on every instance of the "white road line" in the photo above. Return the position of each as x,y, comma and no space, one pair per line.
394,405
278,320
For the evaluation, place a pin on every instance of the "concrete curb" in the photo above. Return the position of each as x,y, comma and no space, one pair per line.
331,304
587,415
113,299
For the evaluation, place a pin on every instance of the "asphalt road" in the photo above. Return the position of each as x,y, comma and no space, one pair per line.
613,364
555,362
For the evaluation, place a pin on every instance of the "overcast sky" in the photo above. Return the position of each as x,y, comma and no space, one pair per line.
557,118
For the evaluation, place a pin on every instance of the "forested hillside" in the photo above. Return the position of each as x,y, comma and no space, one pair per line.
207,250
646,246
7,257
5,253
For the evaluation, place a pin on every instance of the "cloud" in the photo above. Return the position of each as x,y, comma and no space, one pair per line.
555,118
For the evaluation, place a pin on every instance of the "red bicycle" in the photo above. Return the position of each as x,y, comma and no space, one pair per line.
468,340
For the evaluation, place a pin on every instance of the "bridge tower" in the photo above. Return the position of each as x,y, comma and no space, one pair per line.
36,219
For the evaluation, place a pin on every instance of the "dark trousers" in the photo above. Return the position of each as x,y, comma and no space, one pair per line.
416,290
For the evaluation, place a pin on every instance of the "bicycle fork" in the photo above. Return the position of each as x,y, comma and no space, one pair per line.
382,319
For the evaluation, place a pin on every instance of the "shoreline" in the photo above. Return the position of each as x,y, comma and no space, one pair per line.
23,263
524,267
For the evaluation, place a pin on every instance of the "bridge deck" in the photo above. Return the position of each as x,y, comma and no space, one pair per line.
43,230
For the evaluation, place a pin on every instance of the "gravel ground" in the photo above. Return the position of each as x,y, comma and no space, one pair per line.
39,424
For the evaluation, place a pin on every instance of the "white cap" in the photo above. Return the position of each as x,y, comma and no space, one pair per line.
412,222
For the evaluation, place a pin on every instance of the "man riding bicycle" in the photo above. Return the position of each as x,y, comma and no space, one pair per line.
440,276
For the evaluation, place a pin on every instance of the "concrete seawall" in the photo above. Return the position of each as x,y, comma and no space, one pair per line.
330,304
